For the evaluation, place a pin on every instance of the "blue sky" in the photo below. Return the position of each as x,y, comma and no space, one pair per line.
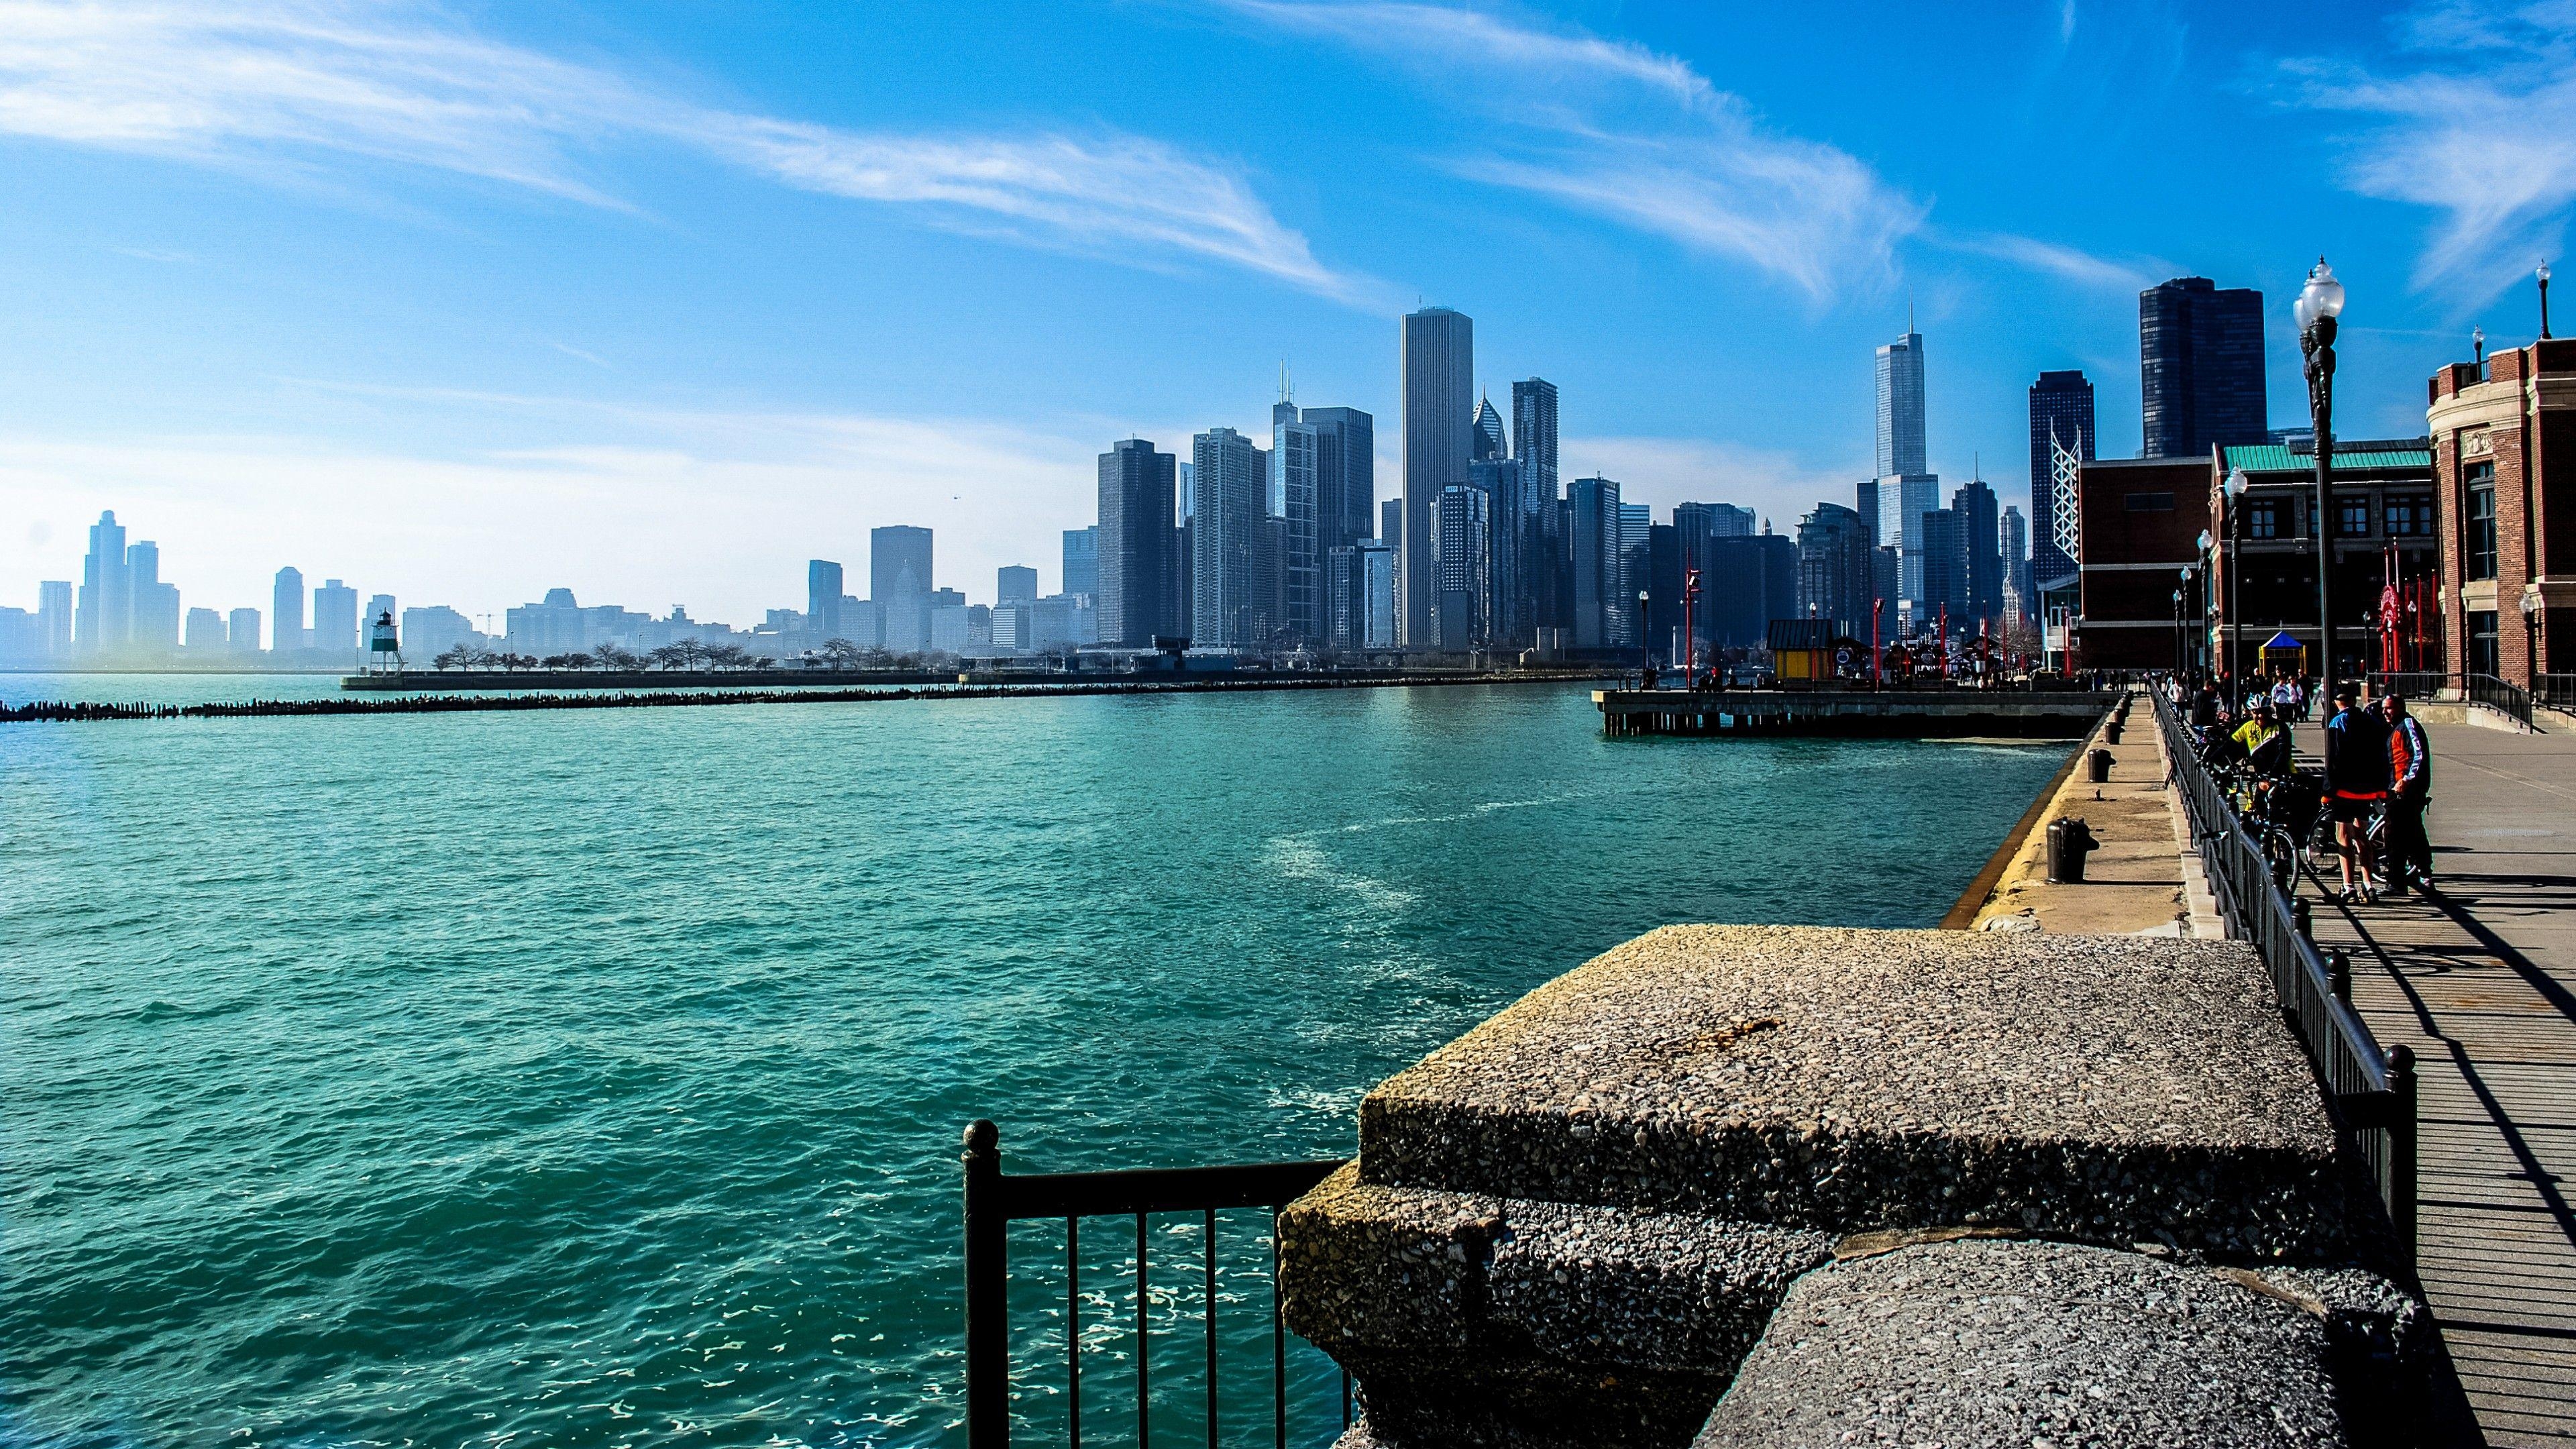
657,301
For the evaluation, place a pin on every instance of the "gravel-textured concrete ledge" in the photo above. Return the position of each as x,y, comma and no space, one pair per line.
2097,1088
2027,1344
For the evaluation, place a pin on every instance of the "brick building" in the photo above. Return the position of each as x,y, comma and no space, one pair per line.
2383,503
2138,525
2504,452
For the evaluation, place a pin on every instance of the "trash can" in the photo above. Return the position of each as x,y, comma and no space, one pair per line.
2069,841
2097,766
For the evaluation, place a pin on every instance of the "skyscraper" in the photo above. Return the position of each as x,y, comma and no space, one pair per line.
241,631
2061,408
1224,538
1511,507
1745,583
335,617
899,584
823,589
1345,476
1982,545
1902,502
2200,368
2016,550
1833,566
54,616
1486,438
1296,448
1592,507
1534,433
1015,584
106,605
1462,554
1137,545
152,620
1636,532
1945,569
286,611
1082,560
205,631
1438,363
1900,404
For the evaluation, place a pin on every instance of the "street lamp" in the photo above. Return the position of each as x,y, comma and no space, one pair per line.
2319,304
2530,605
2190,572
2178,664
2478,340
1645,641
2235,565
2544,299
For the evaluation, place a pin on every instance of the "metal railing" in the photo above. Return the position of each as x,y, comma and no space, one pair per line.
2418,684
2495,693
995,1199
2558,691
2372,1093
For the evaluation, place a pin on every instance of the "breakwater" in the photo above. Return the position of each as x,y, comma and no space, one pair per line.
68,712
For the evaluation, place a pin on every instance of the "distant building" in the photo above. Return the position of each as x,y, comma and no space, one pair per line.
1139,545
1082,560
1981,545
2200,368
1903,499
823,596
1295,450
1391,526
1534,433
241,631
1224,539
335,618
1592,507
205,631
1946,571
1747,583
1438,367
2061,421
286,612
54,611
431,631
1462,554
1511,514
153,624
1636,525
1015,584
2503,440
22,638
2015,543
1345,476
1362,586
1486,436
1901,447
106,605
1834,565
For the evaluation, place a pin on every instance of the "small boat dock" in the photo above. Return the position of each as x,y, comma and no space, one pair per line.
1889,713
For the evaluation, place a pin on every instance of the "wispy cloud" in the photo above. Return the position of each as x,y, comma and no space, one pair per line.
2481,127
2081,268
284,87
1664,471
1619,130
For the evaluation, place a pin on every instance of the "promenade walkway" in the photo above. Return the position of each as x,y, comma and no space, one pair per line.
2481,982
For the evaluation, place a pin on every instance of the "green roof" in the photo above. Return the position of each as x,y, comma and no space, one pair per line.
2274,458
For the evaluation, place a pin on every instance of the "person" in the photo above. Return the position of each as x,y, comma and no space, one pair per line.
2285,697
2266,744
2410,765
2357,783
2204,708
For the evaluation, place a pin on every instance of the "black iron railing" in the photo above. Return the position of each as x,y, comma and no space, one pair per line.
995,1199
2372,1092
2558,691
2495,693
2414,684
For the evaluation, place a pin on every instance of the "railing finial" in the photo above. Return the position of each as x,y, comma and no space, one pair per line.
983,1139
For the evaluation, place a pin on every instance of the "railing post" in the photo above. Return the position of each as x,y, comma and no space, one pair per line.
2301,920
2339,975
988,1344
2401,1148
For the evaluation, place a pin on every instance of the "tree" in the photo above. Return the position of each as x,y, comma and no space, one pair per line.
669,656
727,656
839,653
454,657
612,657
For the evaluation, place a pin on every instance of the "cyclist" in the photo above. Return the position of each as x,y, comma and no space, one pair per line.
2266,744
2410,764
2357,781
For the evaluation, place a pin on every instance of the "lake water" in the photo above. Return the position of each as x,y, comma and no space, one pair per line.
597,1078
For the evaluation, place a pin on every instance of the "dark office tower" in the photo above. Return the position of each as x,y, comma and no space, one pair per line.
1945,570
1137,544
1345,476
823,598
2200,368
1438,362
1664,576
2061,421
1833,566
1982,544
1082,561
1462,555
1486,439
1296,496
1015,584
1592,529
1512,508
1865,503
1534,433
1747,583
1390,525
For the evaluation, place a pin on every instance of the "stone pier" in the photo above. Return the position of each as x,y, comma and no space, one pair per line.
1790,1186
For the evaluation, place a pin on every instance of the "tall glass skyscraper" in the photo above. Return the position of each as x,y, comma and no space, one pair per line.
1438,363
2200,368
1224,537
1900,405
1139,598
1345,476
2061,407
1082,560
1534,433
106,600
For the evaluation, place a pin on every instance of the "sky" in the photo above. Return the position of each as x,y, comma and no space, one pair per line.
656,301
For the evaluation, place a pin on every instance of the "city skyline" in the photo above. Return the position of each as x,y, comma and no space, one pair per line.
539,341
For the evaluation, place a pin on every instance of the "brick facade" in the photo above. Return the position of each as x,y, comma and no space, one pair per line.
2513,422
2139,522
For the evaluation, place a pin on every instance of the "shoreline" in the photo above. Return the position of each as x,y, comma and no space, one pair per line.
78,712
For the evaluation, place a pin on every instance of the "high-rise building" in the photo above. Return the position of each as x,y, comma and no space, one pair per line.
1362,584
2200,368
1636,525
2061,421
2016,549
1747,583
106,605
1391,527
1486,437
1296,449
335,617
1903,499
1345,476
1224,537
1462,553
1138,545
1900,405
286,611
1592,515
1834,565
1439,380
898,563
54,612
241,631
205,631
1945,570
1698,526
1982,544
1082,560
152,621
823,592
1015,584
1534,433
1511,506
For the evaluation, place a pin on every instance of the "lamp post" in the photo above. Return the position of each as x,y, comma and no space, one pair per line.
2530,604
2235,565
2319,304
2191,654
2543,274
2178,664
1645,641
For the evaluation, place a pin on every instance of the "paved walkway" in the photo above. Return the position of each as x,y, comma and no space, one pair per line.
2481,982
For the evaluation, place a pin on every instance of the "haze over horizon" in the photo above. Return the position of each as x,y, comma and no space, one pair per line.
465,302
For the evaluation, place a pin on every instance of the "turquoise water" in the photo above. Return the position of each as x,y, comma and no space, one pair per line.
596,1079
